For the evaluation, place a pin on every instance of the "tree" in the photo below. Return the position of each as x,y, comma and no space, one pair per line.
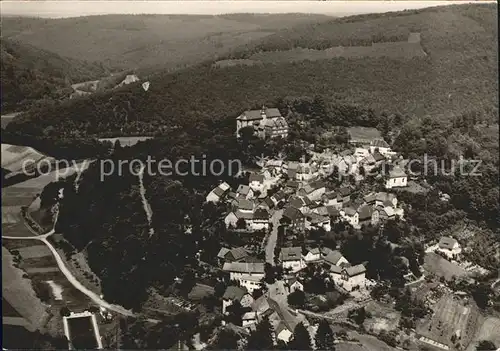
324,337
262,337
241,223
481,294
235,313
486,345
226,340
64,312
301,339
297,299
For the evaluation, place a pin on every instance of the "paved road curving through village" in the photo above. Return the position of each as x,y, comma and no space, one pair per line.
271,241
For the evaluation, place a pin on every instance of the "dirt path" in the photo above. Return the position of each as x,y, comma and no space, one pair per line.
145,203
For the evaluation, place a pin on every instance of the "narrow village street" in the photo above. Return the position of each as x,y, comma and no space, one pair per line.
271,241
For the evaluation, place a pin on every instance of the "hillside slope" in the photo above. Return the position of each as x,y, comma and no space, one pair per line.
458,74
131,41
29,74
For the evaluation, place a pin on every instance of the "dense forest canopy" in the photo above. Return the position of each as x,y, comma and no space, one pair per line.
29,74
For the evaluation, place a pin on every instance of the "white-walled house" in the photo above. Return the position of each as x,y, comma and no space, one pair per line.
235,293
291,258
245,191
256,182
349,277
238,270
351,216
293,285
249,318
380,145
250,282
449,246
313,255
397,178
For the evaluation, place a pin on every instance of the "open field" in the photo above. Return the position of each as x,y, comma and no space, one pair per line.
382,317
442,268
7,118
15,158
17,196
35,251
392,50
451,316
489,330
16,230
11,215
19,293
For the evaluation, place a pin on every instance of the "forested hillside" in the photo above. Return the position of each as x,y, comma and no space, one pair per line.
161,41
457,75
29,74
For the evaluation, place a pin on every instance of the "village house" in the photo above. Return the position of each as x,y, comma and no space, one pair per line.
238,270
313,255
235,293
292,285
294,217
276,126
245,191
291,258
349,278
301,203
315,220
232,255
368,215
386,199
232,218
314,190
249,318
351,216
397,178
261,306
291,169
449,246
218,192
306,172
274,167
284,321
334,258
332,198
381,146
266,203
250,282
360,153
278,197
259,220
256,182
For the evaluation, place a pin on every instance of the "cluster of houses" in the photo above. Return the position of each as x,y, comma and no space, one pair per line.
248,273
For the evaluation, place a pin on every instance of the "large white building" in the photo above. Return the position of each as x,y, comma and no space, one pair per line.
291,258
267,122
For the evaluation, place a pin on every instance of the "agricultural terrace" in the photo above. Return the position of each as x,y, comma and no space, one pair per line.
451,317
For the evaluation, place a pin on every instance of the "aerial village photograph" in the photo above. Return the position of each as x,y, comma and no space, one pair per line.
250,175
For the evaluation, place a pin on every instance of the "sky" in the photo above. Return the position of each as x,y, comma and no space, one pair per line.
68,8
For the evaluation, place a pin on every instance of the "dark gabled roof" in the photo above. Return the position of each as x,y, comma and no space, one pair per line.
349,211
292,184
333,257
332,211
370,198
377,156
291,253
267,201
447,243
244,267
379,143
396,172
280,195
355,270
272,112
256,178
243,189
234,293
292,213
244,204
345,191
238,253
250,115
261,213
365,212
